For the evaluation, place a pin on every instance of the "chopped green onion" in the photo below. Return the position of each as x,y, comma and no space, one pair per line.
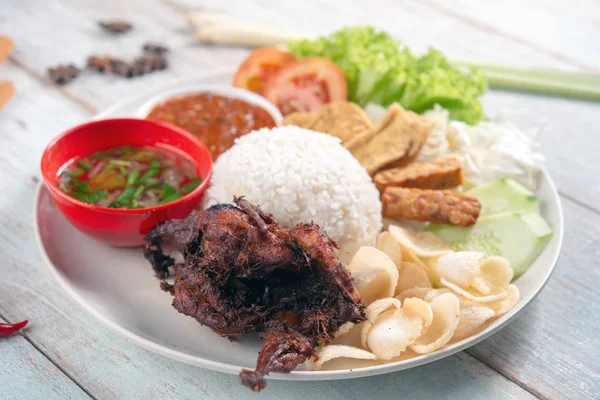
84,165
122,169
82,186
120,162
190,186
169,190
155,164
126,197
135,203
170,194
139,191
89,197
157,191
149,174
100,154
152,182
132,177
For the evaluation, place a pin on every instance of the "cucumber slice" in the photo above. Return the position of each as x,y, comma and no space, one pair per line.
518,237
503,196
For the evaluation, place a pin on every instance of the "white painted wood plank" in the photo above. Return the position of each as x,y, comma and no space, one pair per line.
27,374
110,367
553,349
43,41
564,29
415,22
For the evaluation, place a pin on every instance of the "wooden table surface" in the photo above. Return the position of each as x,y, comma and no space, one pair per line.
551,351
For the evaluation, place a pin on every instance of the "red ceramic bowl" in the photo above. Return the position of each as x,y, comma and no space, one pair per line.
122,227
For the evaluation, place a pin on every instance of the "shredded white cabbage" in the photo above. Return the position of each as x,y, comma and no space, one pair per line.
488,151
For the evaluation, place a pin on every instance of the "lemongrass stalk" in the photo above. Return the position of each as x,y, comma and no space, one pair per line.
543,81
241,36
227,30
534,73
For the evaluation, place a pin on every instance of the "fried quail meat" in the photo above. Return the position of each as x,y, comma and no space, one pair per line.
243,272
341,119
394,141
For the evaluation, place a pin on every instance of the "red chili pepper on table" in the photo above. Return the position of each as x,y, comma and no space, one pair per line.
9,329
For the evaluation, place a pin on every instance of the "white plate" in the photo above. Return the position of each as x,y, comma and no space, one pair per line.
118,286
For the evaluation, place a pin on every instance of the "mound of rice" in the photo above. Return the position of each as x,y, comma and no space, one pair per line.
300,175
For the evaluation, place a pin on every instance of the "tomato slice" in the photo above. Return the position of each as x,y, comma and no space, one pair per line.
259,66
306,85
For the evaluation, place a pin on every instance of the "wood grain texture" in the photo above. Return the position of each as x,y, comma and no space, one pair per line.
28,374
110,367
526,24
38,49
569,138
552,351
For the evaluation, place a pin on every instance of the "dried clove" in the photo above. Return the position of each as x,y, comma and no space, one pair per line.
63,74
155,49
152,63
102,64
116,26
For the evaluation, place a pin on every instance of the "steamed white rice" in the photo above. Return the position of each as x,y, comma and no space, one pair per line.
300,175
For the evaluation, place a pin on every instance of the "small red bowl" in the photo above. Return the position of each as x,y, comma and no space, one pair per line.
122,227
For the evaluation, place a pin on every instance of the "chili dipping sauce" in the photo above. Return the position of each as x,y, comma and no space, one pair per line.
129,177
214,119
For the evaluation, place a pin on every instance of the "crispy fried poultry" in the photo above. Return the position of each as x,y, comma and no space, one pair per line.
243,272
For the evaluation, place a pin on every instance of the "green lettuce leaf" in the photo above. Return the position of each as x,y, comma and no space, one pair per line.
380,70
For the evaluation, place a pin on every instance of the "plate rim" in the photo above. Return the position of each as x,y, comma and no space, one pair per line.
293,375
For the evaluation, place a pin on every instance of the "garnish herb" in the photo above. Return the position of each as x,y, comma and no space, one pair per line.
126,197
170,194
131,178
84,165
139,191
191,186
89,197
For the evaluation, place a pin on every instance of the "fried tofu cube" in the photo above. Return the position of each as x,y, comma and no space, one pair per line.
341,119
439,174
395,140
435,206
